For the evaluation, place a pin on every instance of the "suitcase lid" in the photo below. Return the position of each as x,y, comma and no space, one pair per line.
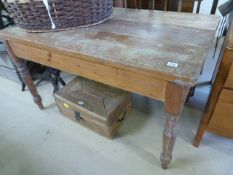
99,99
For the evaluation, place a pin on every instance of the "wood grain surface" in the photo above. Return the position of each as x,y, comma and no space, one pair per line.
135,39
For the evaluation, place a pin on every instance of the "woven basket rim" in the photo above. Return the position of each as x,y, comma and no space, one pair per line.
70,28
21,1
36,16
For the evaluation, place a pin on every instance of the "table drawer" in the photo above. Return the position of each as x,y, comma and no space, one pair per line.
229,80
222,119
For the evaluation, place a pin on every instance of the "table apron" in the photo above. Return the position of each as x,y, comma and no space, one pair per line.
118,77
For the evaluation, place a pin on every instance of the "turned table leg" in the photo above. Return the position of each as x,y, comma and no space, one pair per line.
25,75
174,101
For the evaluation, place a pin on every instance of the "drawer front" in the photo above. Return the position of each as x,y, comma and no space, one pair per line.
229,80
222,119
94,69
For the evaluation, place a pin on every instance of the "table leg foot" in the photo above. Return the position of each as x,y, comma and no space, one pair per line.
38,101
199,135
165,161
169,137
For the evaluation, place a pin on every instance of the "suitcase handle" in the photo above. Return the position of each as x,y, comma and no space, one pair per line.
77,116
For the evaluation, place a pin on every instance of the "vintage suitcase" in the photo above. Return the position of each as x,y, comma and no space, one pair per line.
98,107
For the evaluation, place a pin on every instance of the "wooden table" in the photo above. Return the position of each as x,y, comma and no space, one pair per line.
152,53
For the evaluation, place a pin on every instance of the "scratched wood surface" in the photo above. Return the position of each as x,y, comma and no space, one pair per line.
141,39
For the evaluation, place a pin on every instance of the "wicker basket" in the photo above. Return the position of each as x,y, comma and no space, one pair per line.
33,16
